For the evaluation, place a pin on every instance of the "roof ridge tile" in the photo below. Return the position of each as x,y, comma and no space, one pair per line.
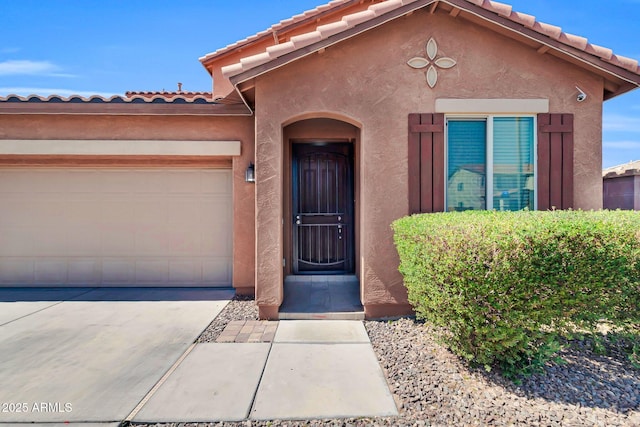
277,26
499,8
578,42
384,7
600,51
306,39
523,19
347,21
354,19
327,30
552,31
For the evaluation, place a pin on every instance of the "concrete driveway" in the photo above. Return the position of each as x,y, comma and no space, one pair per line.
91,355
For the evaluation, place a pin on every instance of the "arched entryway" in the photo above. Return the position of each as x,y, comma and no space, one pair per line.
321,231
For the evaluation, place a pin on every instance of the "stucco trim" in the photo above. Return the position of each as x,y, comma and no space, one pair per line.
492,106
119,147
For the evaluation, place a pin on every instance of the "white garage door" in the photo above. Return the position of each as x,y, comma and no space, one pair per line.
115,227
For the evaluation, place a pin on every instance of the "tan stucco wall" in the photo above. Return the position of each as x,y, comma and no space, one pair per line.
367,80
173,128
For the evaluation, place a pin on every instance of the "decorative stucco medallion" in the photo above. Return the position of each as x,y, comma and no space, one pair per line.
433,63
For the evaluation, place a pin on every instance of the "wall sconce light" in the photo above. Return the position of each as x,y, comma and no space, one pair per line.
250,173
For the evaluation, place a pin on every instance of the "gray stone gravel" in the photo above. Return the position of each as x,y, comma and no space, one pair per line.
433,387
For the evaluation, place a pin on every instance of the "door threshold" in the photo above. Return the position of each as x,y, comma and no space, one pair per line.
316,297
321,278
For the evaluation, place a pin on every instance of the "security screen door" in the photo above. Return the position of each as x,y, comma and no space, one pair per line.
323,231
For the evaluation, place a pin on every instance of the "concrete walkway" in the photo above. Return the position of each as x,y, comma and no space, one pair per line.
100,357
312,369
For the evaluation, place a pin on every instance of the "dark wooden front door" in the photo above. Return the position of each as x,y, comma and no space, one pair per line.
323,231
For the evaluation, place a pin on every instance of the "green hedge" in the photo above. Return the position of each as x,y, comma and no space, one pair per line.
504,285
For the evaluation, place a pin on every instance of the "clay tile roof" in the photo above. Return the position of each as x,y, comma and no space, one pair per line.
282,25
320,33
133,103
171,95
349,21
131,97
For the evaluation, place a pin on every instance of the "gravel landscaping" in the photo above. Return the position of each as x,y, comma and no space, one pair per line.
433,387
240,308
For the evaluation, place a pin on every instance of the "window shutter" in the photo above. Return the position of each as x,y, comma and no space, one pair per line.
426,163
555,161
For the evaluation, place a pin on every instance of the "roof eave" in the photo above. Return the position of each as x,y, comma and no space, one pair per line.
149,109
268,34
629,79
329,41
623,79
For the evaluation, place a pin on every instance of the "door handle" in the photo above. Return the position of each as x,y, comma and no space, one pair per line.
298,220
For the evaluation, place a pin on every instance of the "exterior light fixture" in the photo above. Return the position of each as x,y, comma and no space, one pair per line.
250,173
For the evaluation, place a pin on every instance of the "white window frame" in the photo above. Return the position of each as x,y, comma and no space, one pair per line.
488,118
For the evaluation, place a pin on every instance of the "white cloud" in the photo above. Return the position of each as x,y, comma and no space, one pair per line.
622,145
621,123
26,91
28,67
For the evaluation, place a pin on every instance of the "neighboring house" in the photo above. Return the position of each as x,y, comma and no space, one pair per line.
354,114
466,189
622,186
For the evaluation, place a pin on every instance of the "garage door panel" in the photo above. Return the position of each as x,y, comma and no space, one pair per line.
149,211
216,271
14,211
118,271
183,241
115,227
50,240
152,272
83,210
87,240
118,240
184,210
80,181
185,272
51,271
47,181
116,181
152,241
215,182
16,270
49,210
184,182
17,241
116,210
216,207
83,271
150,182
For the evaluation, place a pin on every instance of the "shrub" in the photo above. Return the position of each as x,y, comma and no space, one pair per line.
504,285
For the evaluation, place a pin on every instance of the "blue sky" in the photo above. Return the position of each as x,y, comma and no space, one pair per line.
112,46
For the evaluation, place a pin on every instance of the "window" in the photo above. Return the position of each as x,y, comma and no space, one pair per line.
490,163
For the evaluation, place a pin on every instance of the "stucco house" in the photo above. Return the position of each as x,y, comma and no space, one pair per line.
320,132
622,186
